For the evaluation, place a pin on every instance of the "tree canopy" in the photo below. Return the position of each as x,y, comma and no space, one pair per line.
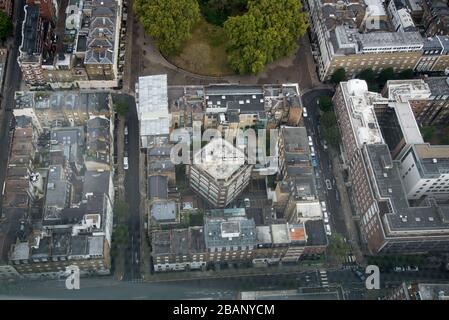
6,26
330,129
338,76
406,74
338,249
218,11
122,107
428,132
266,32
367,75
168,22
325,103
328,119
386,74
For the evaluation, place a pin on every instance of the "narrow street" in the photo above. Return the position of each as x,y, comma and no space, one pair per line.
12,83
132,194
337,201
325,171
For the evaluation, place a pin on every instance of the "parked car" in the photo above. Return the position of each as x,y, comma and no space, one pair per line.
412,268
360,275
310,141
126,130
304,112
323,205
328,229
326,217
125,163
328,184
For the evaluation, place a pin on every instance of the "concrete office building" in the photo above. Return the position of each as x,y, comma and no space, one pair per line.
428,97
389,223
219,172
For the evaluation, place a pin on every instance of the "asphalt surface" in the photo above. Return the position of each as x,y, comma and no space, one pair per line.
11,84
132,194
107,288
311,122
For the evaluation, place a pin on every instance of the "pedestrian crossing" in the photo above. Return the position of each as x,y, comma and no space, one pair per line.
350,259
323,278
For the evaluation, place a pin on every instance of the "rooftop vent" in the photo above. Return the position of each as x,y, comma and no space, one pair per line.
434,160
431,219
385,175
417,219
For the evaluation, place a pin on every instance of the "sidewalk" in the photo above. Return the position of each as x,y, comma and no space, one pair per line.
119,263
346,209
233,273
145,252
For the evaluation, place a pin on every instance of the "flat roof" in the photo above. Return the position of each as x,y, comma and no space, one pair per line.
360,103
316,235
297,232
152,107
219,158
214,236
393,201
164,211
280,233
263,235
243,98
407,122
434,159
96,182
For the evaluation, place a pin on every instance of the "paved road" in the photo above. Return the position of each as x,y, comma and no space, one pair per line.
132,195
331,197
107,288
12,83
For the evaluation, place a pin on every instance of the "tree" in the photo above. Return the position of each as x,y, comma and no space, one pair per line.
338,249
328,119
338,76
269,30
406,74
367,75
122,107
332,135
168,22
428,132
121,236
445,140
6,26
218,11
325,103
386,74
121,211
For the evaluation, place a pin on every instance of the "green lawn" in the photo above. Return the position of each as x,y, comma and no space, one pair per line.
205,52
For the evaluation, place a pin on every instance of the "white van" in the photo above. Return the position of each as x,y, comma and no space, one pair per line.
310,141
312,151
125,163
